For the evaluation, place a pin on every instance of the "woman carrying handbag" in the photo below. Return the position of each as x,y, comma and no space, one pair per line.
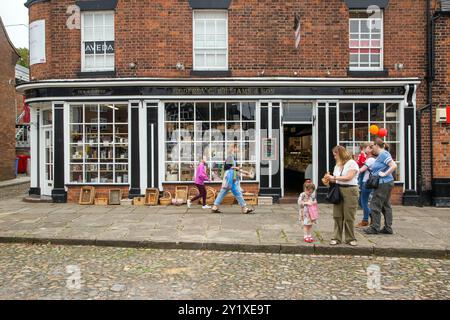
345,176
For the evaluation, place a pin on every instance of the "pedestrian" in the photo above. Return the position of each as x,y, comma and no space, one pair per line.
360,160
364,172
345,175
231,183
383,167
307,203
200,177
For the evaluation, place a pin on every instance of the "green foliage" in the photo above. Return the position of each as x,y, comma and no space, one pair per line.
24,59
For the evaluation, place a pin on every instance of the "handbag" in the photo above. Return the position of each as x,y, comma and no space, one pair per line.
313,211
373,182
334,194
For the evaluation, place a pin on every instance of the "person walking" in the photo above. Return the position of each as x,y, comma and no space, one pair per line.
364,172
345,175
200,177
231,183
383,167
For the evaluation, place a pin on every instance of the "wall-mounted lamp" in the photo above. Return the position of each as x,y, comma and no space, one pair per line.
132,65
399,66
180,66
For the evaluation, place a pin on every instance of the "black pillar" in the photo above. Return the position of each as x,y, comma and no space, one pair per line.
152,157
59,194
135,188
322,151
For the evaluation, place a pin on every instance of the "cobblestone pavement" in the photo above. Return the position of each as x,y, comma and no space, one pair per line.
419,232
40,272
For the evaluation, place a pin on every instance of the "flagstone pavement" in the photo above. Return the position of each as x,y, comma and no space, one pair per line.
418,232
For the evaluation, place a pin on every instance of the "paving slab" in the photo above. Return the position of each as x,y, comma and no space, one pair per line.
418,232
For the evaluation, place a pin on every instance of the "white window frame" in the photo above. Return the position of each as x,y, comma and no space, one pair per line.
208,68
381,67
69,144
225,141
83,58
400,142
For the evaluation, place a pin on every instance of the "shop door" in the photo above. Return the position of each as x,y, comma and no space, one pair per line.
47,158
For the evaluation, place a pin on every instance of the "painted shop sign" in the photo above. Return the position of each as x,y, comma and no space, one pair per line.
99,47
213,91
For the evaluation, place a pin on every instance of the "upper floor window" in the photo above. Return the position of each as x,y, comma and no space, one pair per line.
366,41
210,40
97,38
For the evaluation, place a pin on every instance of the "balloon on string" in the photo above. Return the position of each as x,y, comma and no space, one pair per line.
382,133
374,129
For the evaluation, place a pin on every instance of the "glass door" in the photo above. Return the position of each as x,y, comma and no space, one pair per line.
48,161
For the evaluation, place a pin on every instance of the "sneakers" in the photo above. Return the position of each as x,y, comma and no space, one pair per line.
189,204
334,242
206,207
370,230
353,243
362,224
386,231
248,210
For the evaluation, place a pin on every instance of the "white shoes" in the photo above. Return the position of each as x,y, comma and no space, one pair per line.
189,204
206,207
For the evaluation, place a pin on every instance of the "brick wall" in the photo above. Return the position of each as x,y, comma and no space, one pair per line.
7,108
441,97
156,34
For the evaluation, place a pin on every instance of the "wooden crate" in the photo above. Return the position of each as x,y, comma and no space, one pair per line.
139,201
151,197
265,201
101,201
115,195
87,195
250,199
181,192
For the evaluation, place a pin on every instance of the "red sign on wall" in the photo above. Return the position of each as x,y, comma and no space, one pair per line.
448,114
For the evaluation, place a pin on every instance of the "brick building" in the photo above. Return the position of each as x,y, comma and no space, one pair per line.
7,105
131,94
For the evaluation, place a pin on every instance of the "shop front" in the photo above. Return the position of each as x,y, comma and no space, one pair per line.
138,134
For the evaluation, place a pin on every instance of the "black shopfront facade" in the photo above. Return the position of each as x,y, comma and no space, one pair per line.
144,133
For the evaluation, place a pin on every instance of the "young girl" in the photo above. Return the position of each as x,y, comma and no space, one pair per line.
200,177
305,200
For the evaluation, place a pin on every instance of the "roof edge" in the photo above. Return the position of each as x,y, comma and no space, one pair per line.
8,39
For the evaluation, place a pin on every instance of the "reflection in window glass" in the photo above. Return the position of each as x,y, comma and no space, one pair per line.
197,129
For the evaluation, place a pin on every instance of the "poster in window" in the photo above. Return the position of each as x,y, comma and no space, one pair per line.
269,149
37,42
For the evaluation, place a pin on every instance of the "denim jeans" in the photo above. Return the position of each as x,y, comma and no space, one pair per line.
236,190
365,194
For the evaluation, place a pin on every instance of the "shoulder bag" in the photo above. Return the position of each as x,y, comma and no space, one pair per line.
373,182
334,195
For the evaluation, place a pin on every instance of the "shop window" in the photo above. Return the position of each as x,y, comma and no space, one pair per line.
98,143
210,40
194,130
366,41
355,120
97,38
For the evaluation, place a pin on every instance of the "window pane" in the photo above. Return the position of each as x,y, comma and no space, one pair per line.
186,112
376,112
88,20
88,34
249,131
233,111
121,113
216,170
221,60
210,27
76,135
172,171
187,172
249,151
221,27
345,132
199,27
200,60
392,112
109,20
91,113
354,26
171,111
250,168
217,151
248,111
201,149
187,131
233,131
202,132
362,112
172,151
106,113
217,131
172,131
364,25
202,111
361,132
346,112
186,151
218,111
76,114
210,60
393,130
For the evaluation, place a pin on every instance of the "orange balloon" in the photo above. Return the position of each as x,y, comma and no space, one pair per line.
374,129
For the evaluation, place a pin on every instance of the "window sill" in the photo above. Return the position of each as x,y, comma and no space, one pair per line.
96,74
210,73
367,73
